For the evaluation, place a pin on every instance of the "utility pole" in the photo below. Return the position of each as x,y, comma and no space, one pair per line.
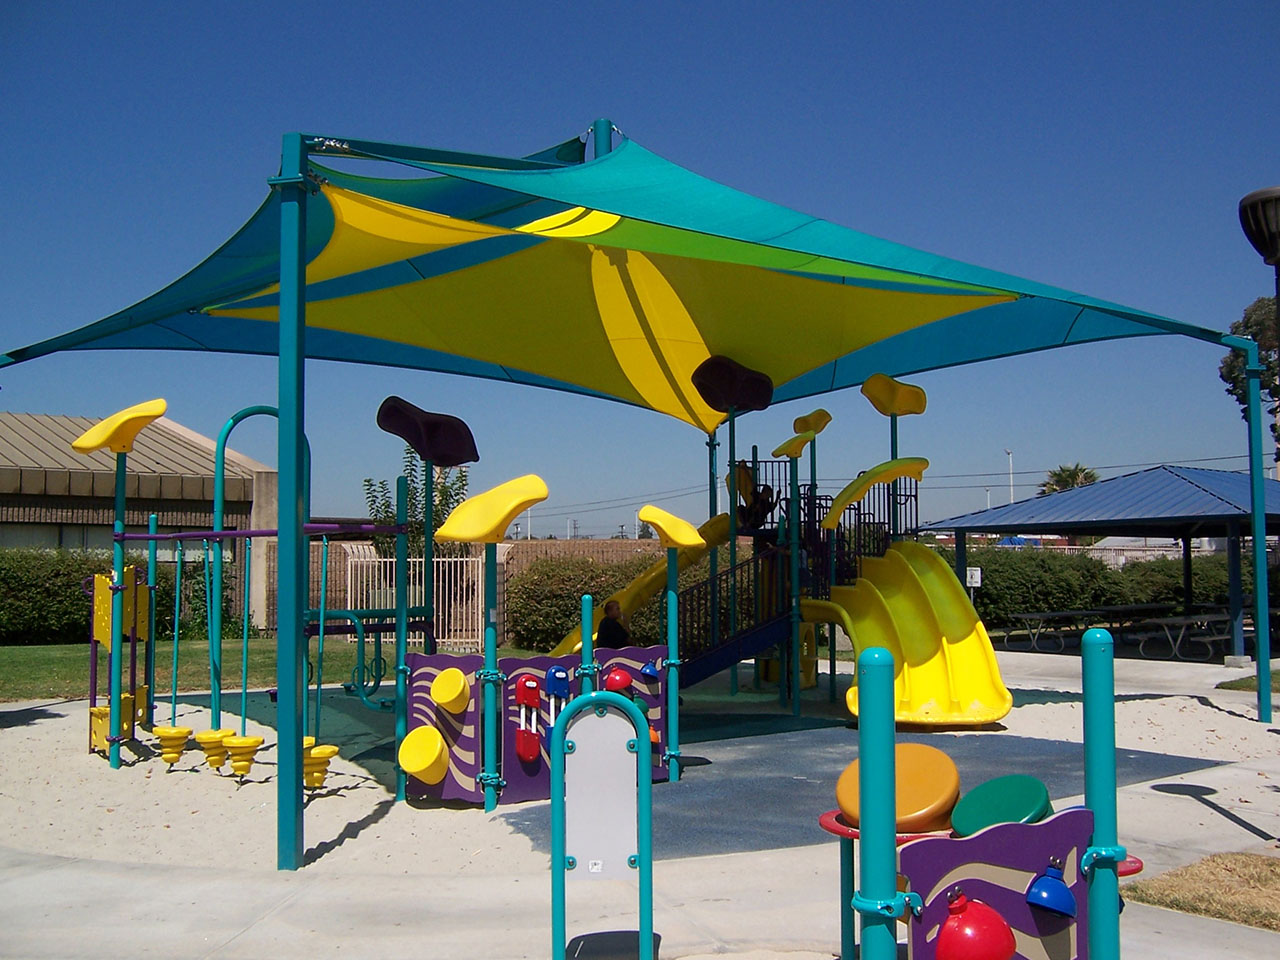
1010,455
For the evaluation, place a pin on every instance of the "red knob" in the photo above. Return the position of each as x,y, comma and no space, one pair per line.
974,931
617,680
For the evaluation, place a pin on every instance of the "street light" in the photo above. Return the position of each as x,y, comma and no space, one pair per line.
1260,221
1010,454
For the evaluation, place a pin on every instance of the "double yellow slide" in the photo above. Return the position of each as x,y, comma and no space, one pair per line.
910,602
648,584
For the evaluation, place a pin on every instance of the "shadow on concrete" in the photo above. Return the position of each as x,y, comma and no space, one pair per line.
1202,795
609,945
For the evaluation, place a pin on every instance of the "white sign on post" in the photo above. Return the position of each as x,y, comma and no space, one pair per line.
973,576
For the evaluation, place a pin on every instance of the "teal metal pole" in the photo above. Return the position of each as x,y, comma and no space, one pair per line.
320,621
848,926
402,633
215,663
150,669
117,613
893,487
755,567
177,634
492,680
244,640
876,803
1100,793
429,548
602,133
714,623
793,535
291,573
732,464
1258,528
1235,589
831,634
588,669
673,665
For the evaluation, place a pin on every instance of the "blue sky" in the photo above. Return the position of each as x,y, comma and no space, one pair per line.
1099,147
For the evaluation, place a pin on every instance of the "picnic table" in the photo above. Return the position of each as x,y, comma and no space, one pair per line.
1184,632
1122,616
1059,622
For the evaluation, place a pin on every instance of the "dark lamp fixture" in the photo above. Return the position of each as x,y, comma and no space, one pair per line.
1260,220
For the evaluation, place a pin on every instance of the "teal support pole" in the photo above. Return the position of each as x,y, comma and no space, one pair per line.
429,545
492,679
848,929
117,614
600,700
714,624
893,487
321,617
732,465
673,665
291,572
1258,528
1100,794
244,642
177,636
150,669
587,671
877,867
402,631
831,646
755,567
793,536
602,134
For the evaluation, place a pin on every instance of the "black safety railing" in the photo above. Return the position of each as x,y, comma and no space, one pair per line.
761,587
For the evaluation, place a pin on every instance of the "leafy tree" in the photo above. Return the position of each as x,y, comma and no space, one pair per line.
646,532
1066,476
1259,324
379,496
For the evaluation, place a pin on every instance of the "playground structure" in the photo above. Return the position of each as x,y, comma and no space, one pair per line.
483,739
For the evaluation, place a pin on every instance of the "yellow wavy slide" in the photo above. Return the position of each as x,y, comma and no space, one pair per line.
650,582
910,602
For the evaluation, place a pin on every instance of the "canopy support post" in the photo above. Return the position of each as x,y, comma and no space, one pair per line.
291,577
731,469
714,624
1188,592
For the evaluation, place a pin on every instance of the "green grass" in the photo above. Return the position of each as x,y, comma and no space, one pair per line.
61,672
1250,683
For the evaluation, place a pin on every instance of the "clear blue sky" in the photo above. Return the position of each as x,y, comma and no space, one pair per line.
1099,147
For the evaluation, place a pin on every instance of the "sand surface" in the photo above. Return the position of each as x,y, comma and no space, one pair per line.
57,798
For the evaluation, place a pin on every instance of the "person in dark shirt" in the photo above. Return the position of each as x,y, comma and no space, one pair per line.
613,632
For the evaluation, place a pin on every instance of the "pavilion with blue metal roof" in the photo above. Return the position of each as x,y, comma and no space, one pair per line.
1165,501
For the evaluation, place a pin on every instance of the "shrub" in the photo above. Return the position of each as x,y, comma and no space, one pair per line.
41,600
544,601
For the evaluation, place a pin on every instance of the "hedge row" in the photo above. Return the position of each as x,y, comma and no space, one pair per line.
1015,581
544,601
41,600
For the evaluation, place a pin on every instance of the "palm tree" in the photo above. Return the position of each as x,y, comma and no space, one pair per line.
1065,477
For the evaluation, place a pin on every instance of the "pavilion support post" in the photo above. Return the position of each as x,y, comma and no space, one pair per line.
793,548
291,582
962,558
117,614
1188,591
1235,591
1258,529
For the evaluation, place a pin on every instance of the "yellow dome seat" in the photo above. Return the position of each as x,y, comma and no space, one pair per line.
927,784
424,754
886,472
672,530
485,517
893,397
118,431
450,690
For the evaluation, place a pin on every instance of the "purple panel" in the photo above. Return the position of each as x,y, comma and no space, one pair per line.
461,731
532,781
1022,847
